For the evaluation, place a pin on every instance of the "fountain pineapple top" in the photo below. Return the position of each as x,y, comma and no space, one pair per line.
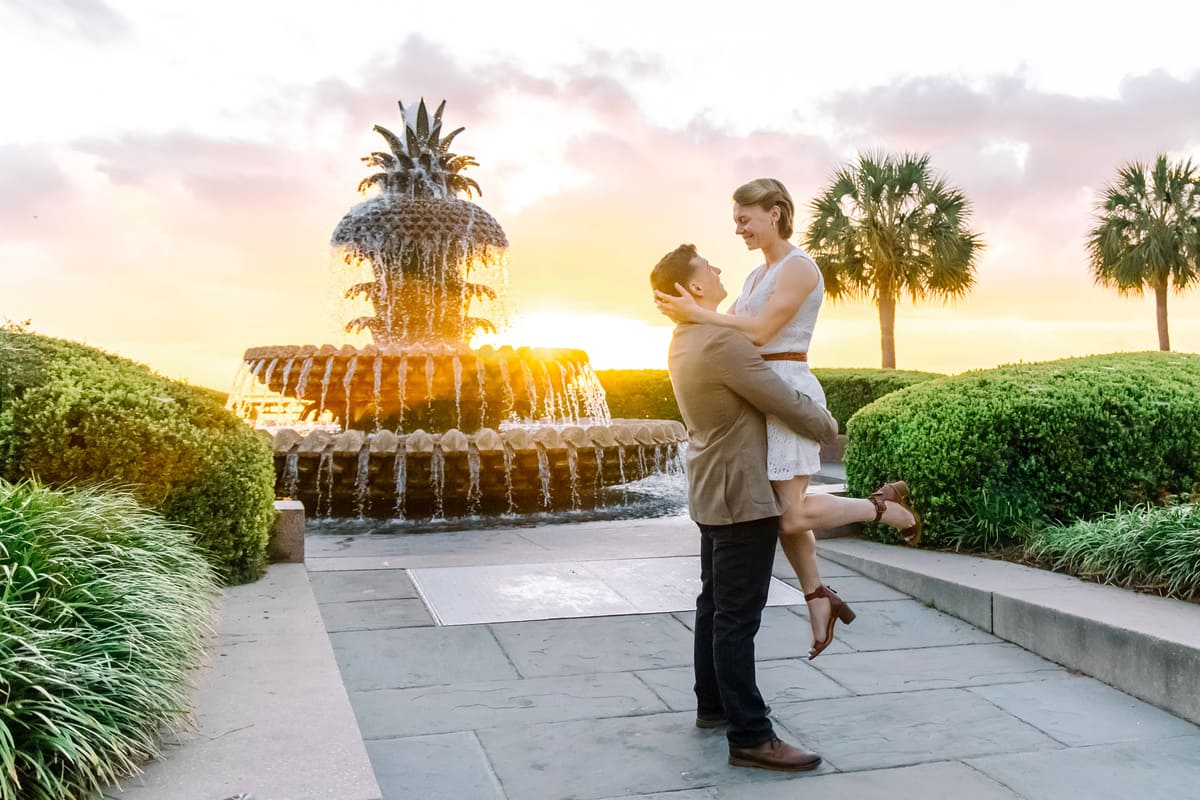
420,248
419,239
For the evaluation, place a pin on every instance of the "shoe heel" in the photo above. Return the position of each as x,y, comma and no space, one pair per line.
845,614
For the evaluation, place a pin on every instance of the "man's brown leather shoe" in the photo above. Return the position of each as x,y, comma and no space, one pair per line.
774,754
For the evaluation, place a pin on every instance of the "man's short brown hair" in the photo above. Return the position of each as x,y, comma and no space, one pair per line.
675,267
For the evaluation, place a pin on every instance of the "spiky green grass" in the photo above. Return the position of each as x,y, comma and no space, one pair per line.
104,609
1153,548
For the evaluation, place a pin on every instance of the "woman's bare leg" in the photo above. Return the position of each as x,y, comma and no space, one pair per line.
800,547
801,513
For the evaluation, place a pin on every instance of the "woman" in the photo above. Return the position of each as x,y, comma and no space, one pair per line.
777,310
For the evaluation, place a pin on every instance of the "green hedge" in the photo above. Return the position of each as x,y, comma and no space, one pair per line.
105,608
639,394
647,393
848,390
70,414
993,454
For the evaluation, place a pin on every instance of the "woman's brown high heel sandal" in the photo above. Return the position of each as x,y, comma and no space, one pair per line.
897,492
837,610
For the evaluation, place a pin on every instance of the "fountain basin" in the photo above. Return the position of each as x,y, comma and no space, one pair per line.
517,470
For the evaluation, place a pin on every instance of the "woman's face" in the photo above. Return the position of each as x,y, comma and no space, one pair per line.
755,226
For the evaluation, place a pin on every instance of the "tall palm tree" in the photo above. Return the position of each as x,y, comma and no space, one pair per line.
886,227
1147,233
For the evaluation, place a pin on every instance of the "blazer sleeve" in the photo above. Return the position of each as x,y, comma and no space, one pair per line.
745,373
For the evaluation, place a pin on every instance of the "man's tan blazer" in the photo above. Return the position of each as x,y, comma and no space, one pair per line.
724,388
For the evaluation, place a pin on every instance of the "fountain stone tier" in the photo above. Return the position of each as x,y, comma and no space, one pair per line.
424,425
515,470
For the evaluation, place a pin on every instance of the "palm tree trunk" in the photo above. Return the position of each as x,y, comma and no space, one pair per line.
887,326
1160,302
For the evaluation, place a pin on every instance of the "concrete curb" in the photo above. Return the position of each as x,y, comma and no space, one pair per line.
1144,645
273,719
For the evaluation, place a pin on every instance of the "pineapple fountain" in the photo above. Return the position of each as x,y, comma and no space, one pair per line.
418,424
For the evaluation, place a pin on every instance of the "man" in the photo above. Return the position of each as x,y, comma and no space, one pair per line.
724,388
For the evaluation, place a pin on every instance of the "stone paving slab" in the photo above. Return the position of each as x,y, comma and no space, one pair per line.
559,590
448,766
615,757
785,681
595,644
403,658
341,587
951,780
1080,711
937,668
1152,769
784,633
907,624
475,706
872,732
1145,645
366,615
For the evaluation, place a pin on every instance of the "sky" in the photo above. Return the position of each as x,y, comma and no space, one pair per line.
170,173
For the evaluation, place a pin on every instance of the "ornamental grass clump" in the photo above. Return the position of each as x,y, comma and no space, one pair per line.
104,609
1152,548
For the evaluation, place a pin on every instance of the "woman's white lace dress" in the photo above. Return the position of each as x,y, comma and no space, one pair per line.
788,453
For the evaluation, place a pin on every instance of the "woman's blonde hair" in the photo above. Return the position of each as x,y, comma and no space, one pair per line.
767,193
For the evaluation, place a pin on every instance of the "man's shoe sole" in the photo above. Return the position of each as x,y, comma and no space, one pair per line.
747,762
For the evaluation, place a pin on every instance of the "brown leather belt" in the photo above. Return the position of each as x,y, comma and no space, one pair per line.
785,356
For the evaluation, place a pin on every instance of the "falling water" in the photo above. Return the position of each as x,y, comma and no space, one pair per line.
473,488
508,479
402,377
659,465
346,382
572,392
553,410
401,478
642,461
291,474
437,479
360,481
325,385
544,473
302,382
270,370
531,391
621,461
573,471
510,399
287,371
377,396
456,364
481,373
598,483
429,379
325,483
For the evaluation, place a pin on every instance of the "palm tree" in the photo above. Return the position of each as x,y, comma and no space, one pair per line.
886,227
1147,233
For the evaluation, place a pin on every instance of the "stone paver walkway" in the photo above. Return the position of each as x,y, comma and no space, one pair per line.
908,703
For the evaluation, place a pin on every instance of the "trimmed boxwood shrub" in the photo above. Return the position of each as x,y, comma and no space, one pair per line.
70,414
647,393
105,607
991,454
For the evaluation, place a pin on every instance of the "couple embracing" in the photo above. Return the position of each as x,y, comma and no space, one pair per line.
755,417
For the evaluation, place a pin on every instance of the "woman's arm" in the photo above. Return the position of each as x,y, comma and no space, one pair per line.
797,278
